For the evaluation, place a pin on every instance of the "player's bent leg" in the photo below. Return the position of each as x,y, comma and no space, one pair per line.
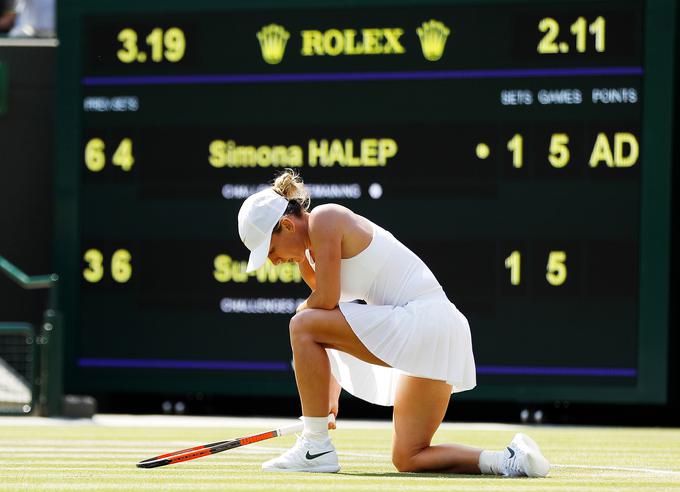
312,369
419,409
311,332
329,328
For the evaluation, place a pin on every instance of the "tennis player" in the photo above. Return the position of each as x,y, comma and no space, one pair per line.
406,345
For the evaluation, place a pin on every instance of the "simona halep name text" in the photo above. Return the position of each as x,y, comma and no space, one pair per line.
367,152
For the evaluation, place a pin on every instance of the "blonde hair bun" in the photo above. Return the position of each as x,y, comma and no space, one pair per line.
289,185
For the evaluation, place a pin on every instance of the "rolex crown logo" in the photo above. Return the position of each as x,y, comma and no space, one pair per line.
433,36
273,40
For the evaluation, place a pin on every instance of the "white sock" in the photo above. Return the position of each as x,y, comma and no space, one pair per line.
490,462
316,428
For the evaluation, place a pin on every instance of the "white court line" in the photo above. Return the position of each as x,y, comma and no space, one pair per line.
622,468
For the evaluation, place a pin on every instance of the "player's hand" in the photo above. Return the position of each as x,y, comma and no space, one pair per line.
301,307
332,416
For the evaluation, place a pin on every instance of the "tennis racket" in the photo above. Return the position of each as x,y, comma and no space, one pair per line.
215,447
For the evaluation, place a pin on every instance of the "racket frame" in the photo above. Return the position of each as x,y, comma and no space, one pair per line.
216,447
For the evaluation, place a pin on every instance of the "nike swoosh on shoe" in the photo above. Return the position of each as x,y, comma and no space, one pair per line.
313,456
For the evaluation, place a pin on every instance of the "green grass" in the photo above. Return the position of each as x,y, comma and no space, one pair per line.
63,456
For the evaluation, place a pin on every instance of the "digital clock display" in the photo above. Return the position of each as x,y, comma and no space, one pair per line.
520,148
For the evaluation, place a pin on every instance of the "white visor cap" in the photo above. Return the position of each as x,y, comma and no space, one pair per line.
257,218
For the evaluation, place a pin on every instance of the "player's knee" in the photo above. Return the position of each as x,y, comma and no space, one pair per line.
299,328
404,461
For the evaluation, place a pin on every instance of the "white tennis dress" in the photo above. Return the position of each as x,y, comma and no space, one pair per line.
408,322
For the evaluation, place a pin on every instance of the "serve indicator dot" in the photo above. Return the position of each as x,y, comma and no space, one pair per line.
375,191
564,47
141,58
482,151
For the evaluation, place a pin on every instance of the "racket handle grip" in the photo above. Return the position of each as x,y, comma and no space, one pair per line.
299,426
291,429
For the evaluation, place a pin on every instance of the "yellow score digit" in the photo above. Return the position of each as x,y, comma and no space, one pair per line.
121,269
556,270
559,152
175,44
123,156
155,40
95,265
95,160
516,146
547,43
130,51
514,263
578,29
597,28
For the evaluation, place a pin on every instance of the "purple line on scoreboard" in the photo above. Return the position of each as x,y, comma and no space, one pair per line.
219,365
237,365
358,76
624,372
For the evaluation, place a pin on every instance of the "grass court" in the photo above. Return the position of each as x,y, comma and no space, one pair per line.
49,454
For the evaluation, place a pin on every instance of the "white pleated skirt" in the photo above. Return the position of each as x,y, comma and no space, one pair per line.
428,337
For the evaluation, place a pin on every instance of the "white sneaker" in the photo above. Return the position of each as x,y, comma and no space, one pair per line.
306,456
523,458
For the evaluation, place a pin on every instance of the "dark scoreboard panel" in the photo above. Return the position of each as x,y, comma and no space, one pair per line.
522,149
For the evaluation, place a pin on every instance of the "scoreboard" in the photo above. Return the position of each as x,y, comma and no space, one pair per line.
521,148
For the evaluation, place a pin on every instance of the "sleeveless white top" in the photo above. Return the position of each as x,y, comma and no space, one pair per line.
408,322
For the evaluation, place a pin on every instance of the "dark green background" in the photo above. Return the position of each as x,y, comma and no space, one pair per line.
463,219
3,88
